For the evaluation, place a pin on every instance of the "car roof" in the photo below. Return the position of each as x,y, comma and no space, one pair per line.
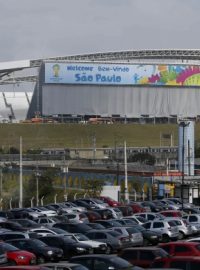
95,256
143,248
180,242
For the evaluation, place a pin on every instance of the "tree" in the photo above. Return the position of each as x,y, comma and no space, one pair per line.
45,185
94,187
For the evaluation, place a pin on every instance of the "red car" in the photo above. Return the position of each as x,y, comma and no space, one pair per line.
182,262
171,213
181,248
137,208
142,256
16,256
110,201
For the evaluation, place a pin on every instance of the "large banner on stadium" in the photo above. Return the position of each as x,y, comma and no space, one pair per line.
122,74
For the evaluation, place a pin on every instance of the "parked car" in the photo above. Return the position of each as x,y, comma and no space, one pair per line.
123,222
24,267
150,216
108,223
181,248
96,226
46,221
43,252
16,235
109,237
64,266
78,217
194,220
139,220
171,213
69,247
73,228
74,207
25,213
13,226
26,223
95,202
44,211
142,256
48,231
98,247
152,206
149,237
168,229
85,205
129,236
104,213
110,201
103,262
92,215
136,207
185,229
126,210
178,262
16,256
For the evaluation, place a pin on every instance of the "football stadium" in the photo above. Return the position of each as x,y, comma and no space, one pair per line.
147,85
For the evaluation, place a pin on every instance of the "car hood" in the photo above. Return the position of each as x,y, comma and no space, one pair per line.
21,253
92,243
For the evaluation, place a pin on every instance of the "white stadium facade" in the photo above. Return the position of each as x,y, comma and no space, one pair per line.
131,85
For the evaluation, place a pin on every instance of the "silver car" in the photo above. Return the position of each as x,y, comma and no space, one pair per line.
168,229
136,238
185,229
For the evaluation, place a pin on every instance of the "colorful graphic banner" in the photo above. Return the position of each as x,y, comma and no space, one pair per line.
120,74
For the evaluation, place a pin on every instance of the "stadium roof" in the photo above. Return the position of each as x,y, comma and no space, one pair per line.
6,68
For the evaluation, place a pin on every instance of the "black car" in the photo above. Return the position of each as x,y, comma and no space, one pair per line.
96,226
106,236
150,237
26,223
108,223
42,251
103,262
85,204
13,226
73,228
70,247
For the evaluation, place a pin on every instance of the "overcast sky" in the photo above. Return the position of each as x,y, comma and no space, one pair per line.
31,29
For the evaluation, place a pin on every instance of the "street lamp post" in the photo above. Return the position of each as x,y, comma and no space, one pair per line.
183,124
37,175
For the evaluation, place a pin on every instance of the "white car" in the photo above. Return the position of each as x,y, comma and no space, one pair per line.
44,231
44,211
98,247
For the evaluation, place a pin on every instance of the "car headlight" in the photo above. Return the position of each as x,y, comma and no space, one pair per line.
154,237
80,249
21,257
50,252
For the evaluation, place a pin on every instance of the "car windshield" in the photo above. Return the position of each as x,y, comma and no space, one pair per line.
172,223
114,234
38,243
58,230
70,239
119,262
7,247
142,219
77,267
98,201
96,226
81,237
136,229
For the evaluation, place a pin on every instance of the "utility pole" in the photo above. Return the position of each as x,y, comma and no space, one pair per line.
126,178
20,178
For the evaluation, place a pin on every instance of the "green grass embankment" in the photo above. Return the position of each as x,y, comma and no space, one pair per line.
38,136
